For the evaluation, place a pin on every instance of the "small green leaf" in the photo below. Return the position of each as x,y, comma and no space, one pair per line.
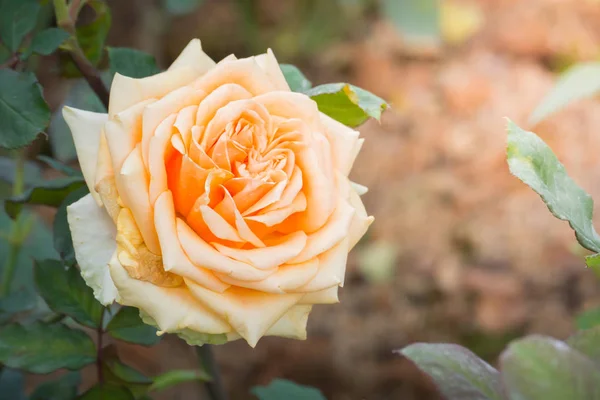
12,385
57,165
50,193
283,389
457,372
295,78
587,342
107,392
126,374
534,163
63,388
42,348
181,7
131,62
128,326
23,111
47,41
593,262
346,103
17,19
538,367
65,292
63,242
176,377
578,82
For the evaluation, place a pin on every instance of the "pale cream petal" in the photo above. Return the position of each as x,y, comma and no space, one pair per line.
86,128
269,64
271,197
217,99
245,72
291,105
249,312
343,142
326,296
293,323
174,258
172,309
193,56
104,169
228,206
160,148
358,188
332,267
125,91
186,118
94,234
360,221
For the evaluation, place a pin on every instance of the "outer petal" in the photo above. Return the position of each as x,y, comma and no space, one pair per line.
94,236
361,221
293,323
193,56
269,64
343,143
86,128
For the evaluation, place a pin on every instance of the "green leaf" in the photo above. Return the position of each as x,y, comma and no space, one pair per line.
128,326
57,165
176,377
283,389
295,78
534,163
593,262
23,111
12,385
63,242
42,348
457,372
578,82
538,367
50,193
47,41
107,392
63,388
17,19
346,103
181,7
65,292
16,302
588,319
118,373
587,342
417,21
131,62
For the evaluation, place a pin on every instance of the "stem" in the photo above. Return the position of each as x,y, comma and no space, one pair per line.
100,333
215,386
16,237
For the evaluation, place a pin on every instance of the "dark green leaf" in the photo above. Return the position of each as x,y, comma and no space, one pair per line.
295,78
50,193
65,292
176,377
538,367
182,7
131,62
126,374
588,319
107,392
578,82
31,173
17,19
280,389
457,372
417,21
16,302
346,103
57,165
12,385
63,242
23,111
63,388
533,162
42,348
587,342
128,326
47,41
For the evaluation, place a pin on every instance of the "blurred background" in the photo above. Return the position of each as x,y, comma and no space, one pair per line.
460,251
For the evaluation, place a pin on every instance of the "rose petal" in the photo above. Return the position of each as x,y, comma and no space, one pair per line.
159,151
279,215
193,56
94,242
293,323
332,267
86,128
326,296
269,64
343,143
360,221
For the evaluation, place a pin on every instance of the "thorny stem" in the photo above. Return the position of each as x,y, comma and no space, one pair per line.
65,19
215,386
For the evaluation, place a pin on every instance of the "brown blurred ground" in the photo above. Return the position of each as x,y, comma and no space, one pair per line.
473,255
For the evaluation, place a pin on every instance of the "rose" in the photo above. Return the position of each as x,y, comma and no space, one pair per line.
219,201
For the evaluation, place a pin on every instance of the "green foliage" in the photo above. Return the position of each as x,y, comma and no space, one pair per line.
17,19
588,319
65,292
175,377
181,7
31,172
295,78
106,392
533,162
12,385
50,193
346,103
131,62
43,348
128,326
63,242
63,388
578,82
46,42
23,111
57,165
283,389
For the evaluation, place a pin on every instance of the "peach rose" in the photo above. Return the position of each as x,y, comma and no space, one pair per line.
219,201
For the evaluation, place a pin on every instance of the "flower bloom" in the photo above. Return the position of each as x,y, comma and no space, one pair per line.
219,200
